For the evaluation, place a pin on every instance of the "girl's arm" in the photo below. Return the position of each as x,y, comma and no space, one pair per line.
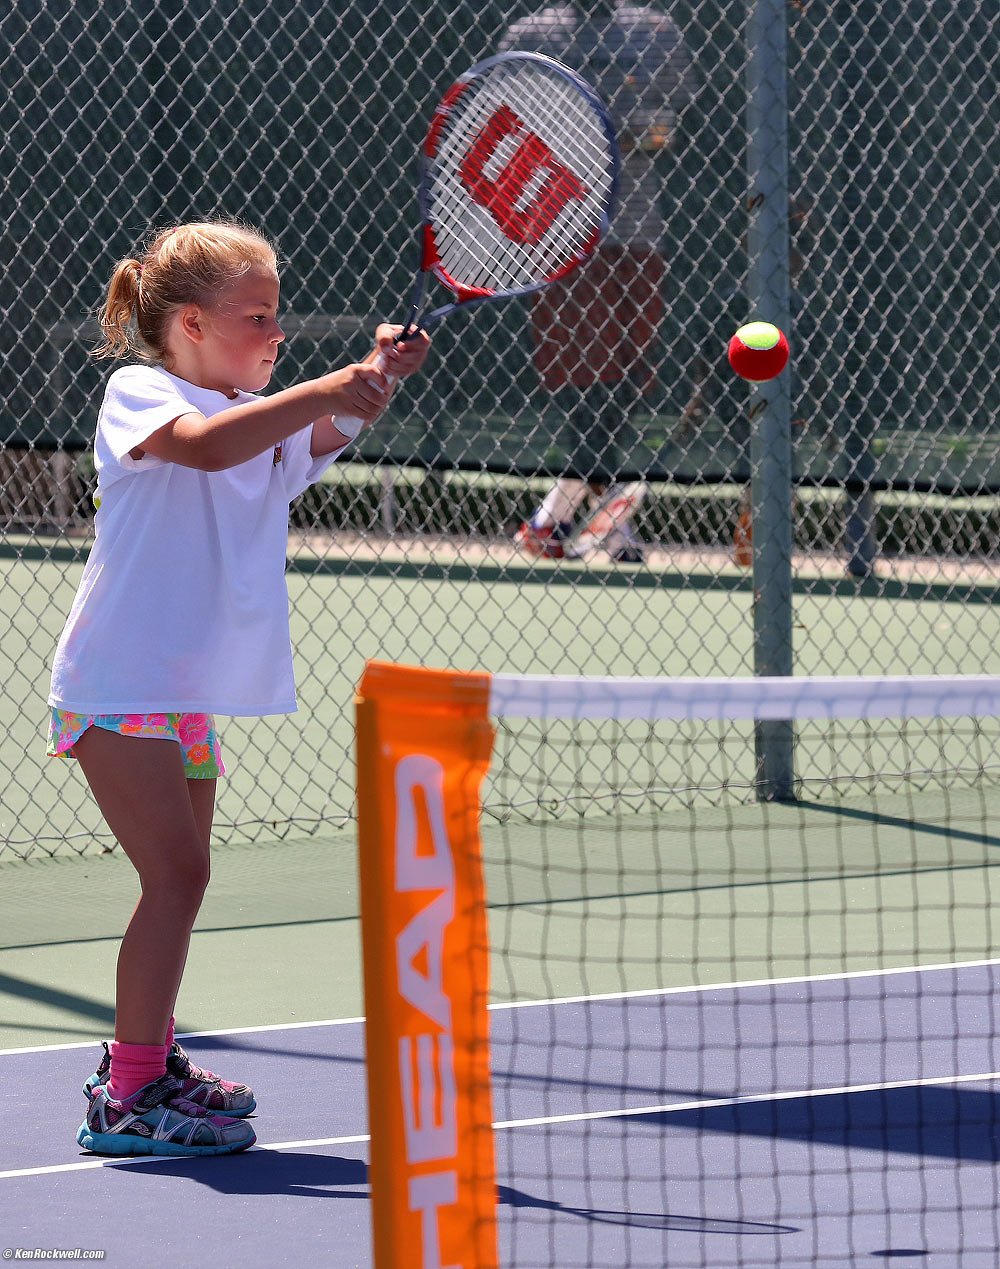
239,434
360,391
399,360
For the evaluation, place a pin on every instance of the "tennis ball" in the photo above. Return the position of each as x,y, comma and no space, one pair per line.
758,351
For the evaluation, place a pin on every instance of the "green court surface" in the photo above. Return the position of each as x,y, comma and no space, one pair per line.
755,892
278,939
743,893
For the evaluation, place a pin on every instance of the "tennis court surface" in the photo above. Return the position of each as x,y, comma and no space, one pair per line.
743,1140
721,1031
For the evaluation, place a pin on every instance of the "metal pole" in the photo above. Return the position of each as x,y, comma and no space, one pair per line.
770,407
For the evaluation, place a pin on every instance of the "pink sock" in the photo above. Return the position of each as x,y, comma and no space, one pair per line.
133,1066
170,1034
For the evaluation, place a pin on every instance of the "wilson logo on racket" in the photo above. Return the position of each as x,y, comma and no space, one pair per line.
532,161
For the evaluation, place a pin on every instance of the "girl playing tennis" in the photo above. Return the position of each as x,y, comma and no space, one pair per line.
182,613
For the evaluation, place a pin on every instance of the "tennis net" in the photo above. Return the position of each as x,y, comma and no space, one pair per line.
722,1031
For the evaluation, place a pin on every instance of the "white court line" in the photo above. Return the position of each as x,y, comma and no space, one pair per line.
747,982
87,1165
670,1108
562,1000
718,1102
192,1035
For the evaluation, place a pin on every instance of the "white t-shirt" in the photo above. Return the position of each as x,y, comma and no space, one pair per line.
183,604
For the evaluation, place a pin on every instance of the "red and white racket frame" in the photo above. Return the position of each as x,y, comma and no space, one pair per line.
499,194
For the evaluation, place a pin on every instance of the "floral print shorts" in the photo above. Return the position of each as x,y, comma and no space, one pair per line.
195,733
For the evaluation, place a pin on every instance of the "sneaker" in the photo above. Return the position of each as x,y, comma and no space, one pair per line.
159,1120
546,541
610,525
629,555
204,1088
624,547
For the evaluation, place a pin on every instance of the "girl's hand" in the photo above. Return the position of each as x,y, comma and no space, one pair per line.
405,358
360,391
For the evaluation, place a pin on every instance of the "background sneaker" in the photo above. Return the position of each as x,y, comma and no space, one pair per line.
624,547
546,542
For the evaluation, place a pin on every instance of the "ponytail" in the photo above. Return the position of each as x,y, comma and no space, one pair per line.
120,311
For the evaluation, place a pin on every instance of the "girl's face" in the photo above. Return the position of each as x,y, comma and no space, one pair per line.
241,334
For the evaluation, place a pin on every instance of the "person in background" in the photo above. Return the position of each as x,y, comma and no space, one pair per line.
595,333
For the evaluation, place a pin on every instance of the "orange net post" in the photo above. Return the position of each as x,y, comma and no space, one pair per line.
424,744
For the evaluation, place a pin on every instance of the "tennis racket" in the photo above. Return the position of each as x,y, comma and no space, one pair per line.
518,178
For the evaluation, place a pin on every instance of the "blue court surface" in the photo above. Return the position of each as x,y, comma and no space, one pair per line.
846,1120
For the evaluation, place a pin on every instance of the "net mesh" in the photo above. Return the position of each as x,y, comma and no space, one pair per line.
734,1032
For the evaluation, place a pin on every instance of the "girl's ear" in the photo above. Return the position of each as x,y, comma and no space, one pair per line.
190,324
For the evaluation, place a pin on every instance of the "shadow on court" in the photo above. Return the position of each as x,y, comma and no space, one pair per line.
265,1172
641,1220
207,1046
925,1122
936,1120
19,989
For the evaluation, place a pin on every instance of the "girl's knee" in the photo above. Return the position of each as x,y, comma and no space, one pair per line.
195,878
178,874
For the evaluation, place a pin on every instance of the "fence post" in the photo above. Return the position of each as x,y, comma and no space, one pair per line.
770,408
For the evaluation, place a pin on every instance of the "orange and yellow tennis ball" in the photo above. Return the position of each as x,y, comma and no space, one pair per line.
758,351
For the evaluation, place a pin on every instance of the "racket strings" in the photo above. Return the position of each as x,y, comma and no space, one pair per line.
496,247
470,255
570,232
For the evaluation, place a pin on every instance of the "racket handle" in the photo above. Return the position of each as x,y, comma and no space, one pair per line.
351,427
379,364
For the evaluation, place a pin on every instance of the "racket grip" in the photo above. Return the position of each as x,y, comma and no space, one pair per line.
379,362
349,427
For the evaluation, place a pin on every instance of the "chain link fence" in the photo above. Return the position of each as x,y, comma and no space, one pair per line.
305,119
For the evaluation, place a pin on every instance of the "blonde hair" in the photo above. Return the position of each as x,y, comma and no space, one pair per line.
189,264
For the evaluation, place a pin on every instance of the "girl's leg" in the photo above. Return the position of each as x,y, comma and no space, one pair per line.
202,794
162,826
